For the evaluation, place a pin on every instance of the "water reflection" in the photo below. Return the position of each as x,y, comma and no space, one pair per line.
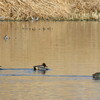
41,72
31,72
70,49
21,72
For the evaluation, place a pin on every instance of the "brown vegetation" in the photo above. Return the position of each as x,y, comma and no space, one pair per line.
50,9
86,9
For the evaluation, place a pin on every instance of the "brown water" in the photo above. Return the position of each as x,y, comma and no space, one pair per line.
70,49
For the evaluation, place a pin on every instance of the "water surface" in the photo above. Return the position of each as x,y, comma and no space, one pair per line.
70,49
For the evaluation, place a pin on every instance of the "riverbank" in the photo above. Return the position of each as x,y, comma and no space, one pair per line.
49,9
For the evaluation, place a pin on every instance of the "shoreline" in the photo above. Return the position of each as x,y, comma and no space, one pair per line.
8,20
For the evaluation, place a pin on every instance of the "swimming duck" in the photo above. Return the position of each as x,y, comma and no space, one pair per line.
96,76
42,67
0,67
6,37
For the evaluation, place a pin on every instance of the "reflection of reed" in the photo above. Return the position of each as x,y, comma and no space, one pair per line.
34,28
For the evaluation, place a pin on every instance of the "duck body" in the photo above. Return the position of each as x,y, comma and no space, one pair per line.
96,76
42,67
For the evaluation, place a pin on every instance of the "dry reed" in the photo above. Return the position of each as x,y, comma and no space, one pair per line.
50,9
85,9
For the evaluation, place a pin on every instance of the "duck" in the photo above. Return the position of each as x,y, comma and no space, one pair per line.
6,37
42,67
96,76
0,67
34,18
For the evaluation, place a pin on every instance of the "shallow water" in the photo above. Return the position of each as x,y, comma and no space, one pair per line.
70,49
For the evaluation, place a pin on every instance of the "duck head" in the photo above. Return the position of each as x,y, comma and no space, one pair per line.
44,65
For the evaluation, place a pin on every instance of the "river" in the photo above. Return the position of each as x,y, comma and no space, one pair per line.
71,50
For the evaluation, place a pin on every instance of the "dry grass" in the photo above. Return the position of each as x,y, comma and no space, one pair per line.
86,9
50,9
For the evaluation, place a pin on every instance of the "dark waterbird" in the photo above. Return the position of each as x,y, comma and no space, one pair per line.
42,67
96,76
0,67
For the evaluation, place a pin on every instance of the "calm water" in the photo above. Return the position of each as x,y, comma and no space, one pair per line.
70,49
